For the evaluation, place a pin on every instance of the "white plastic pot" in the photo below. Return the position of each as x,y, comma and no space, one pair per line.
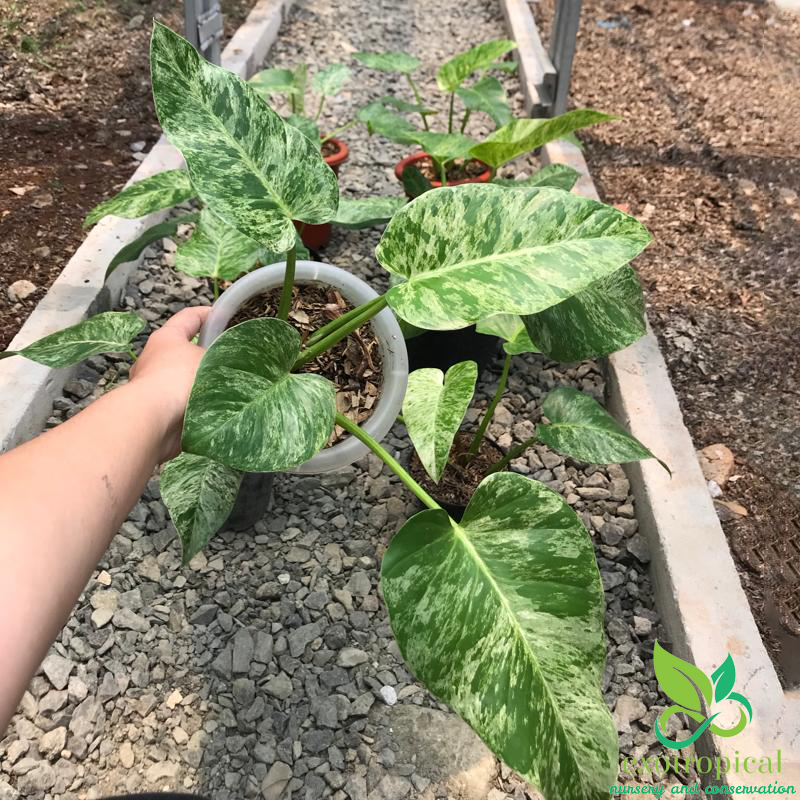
356,292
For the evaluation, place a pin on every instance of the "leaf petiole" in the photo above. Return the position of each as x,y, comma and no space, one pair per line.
487,417
288,283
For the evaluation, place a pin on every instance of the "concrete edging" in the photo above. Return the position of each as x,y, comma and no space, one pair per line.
697,586
28,389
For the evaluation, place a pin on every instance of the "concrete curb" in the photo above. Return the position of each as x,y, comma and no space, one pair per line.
697,586
28,389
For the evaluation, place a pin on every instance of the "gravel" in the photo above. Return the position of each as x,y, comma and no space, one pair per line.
267,669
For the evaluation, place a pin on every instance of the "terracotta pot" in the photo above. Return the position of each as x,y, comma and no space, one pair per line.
315,237
412,160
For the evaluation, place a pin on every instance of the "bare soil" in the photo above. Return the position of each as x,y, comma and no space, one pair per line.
457,171
707,154
74,96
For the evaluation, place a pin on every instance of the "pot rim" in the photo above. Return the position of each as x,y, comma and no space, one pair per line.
387,330
401,165
341,154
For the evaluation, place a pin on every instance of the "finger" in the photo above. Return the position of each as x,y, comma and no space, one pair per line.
185,324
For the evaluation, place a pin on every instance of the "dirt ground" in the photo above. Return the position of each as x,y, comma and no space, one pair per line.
707,154
74,97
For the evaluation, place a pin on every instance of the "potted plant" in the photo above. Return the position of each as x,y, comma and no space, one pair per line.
501,614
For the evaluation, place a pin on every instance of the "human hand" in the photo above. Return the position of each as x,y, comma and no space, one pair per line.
166,368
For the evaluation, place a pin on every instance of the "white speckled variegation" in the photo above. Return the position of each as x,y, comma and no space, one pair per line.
217,250
199,494
511,329
252,169
501,617
329,81
109,332
433,410
557,176
162,190
368,211
603,318
248,411
455,71
471,251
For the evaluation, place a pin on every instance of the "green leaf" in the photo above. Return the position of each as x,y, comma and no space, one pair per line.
389,62
380,120
329,81
433,410
521,136
509,67
199,494
475,250
501,617
455,71
444,147
248,411
134,249
581,428
274,81
724,677
557,176
488,96
406,107
217,250
162,190
252,169
367,212
509,328
681,680
414,182
306,126
109,332
605,317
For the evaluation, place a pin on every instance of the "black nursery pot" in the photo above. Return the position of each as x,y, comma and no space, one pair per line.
442,349
252,502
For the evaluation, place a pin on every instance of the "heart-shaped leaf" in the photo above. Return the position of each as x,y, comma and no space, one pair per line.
557,176
501,617
217,250
329,81
199,494
433,410
252,169
681,681
511,329
109,332
605,317
455,71
581,428
162,190
248,411
488,96
274,81
380,120
444,147
367,212
521,136
389,62
471,251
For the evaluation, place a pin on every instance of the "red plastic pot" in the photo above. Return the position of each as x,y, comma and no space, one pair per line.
400,168
315,237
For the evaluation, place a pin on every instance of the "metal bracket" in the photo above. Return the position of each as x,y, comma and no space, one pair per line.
562,50
204,27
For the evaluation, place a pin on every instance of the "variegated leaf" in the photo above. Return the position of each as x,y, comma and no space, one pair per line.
252,169
444,147
199,494
367,212
274,81
405,106
521,136
389,62
162,190
501,617
455,71
109,332
380,120
433,410
306,126
329,81
471,251
488,96
217,250
557,176
605,317
511,329
248,411
581,428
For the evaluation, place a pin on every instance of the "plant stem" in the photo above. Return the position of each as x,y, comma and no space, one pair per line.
288,283
418,98
514,452
338,130
368,311
442,173
133,355
215,287
450,113
319,108
487,417
465,120
387,459
333,325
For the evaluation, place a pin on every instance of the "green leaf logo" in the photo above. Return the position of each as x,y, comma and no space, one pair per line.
687,687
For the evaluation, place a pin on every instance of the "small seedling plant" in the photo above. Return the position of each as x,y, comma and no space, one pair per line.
500,615
511,139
